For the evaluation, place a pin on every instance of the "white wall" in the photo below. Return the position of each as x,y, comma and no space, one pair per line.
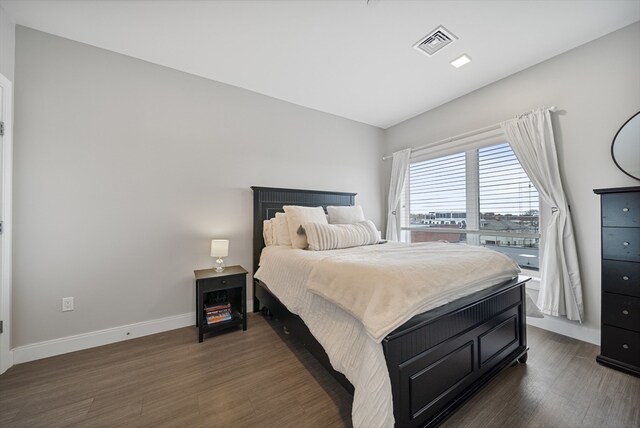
597,88
124,171
7,45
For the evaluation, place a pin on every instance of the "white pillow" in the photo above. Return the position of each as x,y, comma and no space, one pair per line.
267,232
345,214
297,215
333,236
281,230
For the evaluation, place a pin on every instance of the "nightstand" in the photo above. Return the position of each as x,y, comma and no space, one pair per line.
221,299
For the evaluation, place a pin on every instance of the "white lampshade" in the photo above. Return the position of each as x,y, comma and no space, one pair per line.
219,247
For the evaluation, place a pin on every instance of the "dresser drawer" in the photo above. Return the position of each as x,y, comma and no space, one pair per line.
621,311
621,209
621,277
622,345
621,243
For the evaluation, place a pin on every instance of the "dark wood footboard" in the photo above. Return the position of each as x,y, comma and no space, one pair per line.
443,357
438,359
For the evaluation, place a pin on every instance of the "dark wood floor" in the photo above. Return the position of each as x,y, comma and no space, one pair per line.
261,378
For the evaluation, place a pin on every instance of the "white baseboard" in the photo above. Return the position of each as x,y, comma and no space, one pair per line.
566,328
562,326
49,348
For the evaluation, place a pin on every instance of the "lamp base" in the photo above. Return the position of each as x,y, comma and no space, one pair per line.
219,265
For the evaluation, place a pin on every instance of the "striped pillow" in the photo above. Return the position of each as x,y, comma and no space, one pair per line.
333,236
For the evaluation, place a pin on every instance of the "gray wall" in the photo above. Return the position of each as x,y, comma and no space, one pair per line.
7,45
596,87
125,170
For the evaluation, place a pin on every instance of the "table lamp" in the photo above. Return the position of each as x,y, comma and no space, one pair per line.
219,249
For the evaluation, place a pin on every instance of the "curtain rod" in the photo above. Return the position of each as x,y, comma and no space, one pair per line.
451,139
461,136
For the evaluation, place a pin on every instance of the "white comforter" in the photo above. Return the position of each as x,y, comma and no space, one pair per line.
351,348
386,285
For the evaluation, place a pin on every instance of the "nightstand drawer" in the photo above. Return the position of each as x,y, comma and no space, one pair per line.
621,209
621,243
224,282
622,345
621,311
621,277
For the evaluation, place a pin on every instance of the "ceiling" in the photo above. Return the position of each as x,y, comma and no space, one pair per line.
350,58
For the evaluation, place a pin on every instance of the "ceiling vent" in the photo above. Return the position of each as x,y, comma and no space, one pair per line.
435,40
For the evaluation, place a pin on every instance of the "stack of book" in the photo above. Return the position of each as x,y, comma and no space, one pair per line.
218,313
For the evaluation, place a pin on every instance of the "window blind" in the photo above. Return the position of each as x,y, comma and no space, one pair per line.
437,186
507,196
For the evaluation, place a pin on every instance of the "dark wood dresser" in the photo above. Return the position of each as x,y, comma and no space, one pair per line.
620,328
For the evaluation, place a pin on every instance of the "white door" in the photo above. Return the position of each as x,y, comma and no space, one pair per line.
6,146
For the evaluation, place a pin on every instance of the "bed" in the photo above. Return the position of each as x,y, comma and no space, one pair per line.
437,359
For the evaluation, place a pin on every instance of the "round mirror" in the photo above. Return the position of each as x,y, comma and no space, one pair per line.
625,148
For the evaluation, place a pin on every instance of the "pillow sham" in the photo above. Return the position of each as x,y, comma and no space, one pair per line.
267,232
335,236
281,232
345,214
296,216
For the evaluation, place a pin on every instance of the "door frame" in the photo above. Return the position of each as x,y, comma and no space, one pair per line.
6,356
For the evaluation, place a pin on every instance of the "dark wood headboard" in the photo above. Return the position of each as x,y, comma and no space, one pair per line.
267,201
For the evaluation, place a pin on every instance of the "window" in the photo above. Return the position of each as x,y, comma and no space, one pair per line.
480,196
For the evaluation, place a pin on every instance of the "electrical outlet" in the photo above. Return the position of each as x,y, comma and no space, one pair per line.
67,304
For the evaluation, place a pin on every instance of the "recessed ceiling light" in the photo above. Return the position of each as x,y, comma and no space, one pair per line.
460,61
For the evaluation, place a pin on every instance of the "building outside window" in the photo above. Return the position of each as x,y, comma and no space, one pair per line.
480,196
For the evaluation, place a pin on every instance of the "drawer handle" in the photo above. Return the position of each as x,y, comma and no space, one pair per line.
224,282
625,209
626,244
625,312
625,346
625,277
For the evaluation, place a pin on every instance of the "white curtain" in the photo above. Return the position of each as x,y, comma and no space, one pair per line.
398,177
531,138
